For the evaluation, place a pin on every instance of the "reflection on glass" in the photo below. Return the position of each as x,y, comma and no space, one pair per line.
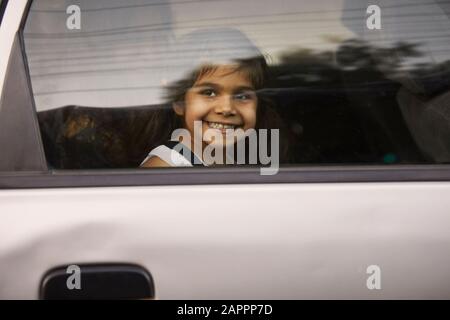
339,93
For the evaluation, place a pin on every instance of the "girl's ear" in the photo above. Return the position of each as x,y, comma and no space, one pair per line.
178,107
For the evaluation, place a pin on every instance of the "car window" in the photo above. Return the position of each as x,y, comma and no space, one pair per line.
125,84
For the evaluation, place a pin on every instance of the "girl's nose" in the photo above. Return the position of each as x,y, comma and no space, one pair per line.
225,106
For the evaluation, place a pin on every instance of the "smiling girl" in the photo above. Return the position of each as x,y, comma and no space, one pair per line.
220,94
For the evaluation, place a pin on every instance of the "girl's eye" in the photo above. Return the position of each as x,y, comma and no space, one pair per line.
208,93
243,96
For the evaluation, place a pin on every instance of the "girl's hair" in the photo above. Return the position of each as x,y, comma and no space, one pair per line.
158,126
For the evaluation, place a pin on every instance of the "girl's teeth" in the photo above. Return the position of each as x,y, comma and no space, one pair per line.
216,125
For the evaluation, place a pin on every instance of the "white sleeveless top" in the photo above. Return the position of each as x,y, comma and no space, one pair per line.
170,153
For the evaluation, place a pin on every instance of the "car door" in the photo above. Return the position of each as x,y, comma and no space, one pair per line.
362,211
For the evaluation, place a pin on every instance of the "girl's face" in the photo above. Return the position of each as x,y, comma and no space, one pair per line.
222,99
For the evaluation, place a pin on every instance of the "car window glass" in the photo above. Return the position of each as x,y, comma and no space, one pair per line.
319,82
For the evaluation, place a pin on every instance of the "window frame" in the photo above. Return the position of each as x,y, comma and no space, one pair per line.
17,78
204,176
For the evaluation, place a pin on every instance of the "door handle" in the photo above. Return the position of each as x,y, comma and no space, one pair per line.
97,281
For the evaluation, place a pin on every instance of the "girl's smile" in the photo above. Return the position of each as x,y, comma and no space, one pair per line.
222,126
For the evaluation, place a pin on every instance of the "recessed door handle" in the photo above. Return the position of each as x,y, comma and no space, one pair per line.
97,281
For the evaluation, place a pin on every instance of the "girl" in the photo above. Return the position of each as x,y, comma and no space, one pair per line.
221,93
